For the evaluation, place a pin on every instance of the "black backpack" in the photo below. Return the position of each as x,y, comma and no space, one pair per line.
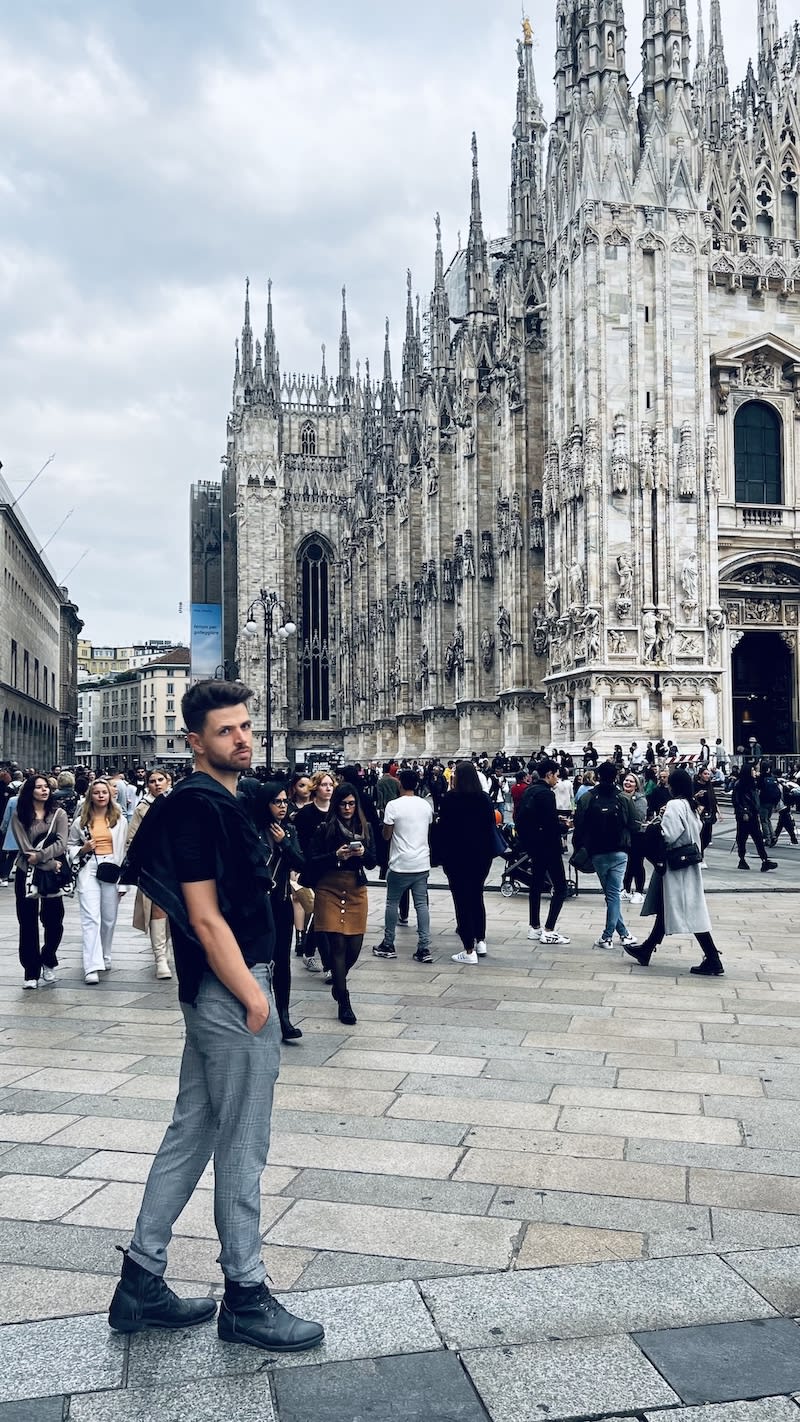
604,824
770,791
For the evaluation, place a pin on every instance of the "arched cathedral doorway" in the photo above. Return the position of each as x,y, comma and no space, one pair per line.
763,678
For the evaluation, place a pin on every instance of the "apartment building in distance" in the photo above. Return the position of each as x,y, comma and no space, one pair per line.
133,717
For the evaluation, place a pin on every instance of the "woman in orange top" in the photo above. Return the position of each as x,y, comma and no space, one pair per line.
97,838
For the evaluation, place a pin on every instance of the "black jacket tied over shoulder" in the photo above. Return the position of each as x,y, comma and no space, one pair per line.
242,878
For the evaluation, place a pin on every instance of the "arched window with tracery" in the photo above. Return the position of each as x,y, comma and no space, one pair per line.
315,683
308,439
757,446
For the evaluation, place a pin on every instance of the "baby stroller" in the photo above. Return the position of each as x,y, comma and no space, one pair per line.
518,876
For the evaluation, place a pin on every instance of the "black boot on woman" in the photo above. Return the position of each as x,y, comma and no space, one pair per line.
289,1032
711,966
346,1013
643,953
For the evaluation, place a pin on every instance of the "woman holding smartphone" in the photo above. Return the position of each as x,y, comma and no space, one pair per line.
97,846
341,849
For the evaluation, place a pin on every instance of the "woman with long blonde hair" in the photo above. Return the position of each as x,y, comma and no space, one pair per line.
147,916
97,846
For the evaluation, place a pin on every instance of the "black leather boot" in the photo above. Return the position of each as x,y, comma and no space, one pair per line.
642,953
143,1300
251,1314
346,1013
288,1031
299,941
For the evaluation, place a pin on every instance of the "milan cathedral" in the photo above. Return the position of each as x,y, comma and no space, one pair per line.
572,512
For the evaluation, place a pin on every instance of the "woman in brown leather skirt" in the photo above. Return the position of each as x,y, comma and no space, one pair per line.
341,849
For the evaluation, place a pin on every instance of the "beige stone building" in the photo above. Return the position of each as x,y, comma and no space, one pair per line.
573,511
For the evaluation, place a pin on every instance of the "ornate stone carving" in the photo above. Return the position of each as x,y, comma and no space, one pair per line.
689,579
422,672
736,638
448,591
649,635
690,644
624,570
469,554
591,457
764,610
503,525
429,581
504,628
687,715
660,457
536,525
552,589
417,599
577,584
617,641
620,714
487,556
687,463
666,633
715,621
768,575
487,649
712,463
575,463
395,676
790,638
591,624
620,462
759,373
458,560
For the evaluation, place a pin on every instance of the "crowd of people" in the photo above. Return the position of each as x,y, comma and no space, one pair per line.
238,874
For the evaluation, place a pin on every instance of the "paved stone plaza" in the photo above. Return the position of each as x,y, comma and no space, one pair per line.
552,1186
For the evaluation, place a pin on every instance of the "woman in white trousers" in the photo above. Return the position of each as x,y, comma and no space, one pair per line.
97,837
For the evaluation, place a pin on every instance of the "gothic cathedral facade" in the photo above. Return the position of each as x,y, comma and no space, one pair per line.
575,511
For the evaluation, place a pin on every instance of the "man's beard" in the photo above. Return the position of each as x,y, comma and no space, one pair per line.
218,763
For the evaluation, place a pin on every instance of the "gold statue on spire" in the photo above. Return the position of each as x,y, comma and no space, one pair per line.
527,32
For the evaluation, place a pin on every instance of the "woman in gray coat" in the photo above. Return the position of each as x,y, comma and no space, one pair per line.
676,897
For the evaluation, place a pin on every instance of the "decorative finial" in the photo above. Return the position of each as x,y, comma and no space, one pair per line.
527,32
408,280
438,228
474,151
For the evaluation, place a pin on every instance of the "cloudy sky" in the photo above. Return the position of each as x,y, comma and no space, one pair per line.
155,152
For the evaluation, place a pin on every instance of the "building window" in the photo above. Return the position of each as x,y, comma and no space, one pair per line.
170,720
757,444
170,705
45,684
26,673
36,686
170,688
14,669
314,632
308,439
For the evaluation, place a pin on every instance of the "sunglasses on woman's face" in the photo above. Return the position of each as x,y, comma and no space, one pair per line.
280,802
347,804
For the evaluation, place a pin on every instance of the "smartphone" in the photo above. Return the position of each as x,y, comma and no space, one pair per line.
356,844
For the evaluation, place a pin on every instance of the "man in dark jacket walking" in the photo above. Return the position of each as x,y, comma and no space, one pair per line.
539,829
603,824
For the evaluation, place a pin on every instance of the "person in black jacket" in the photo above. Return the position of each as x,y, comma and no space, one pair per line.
604,822
197,856
540,830
466,845
268,807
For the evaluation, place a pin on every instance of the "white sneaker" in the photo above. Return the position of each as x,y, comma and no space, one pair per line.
464,957
553,937
48,975
637,898
602,942
481,949
629,941
91,978
312,964
30,984
625,896
534,935
106,965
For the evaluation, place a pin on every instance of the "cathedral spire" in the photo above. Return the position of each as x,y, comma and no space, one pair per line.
344,352
527,148
768,35
247,336
477,285
665,55
387,391
412,355
701,36
719,100
272,375
440,310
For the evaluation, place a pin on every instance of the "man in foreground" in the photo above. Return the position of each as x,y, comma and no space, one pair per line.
198,857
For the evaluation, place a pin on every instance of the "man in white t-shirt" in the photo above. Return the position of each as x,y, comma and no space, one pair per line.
406,822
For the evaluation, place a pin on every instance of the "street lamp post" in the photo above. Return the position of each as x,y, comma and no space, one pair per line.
269,602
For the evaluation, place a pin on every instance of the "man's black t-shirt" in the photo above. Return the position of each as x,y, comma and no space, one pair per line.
196,857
